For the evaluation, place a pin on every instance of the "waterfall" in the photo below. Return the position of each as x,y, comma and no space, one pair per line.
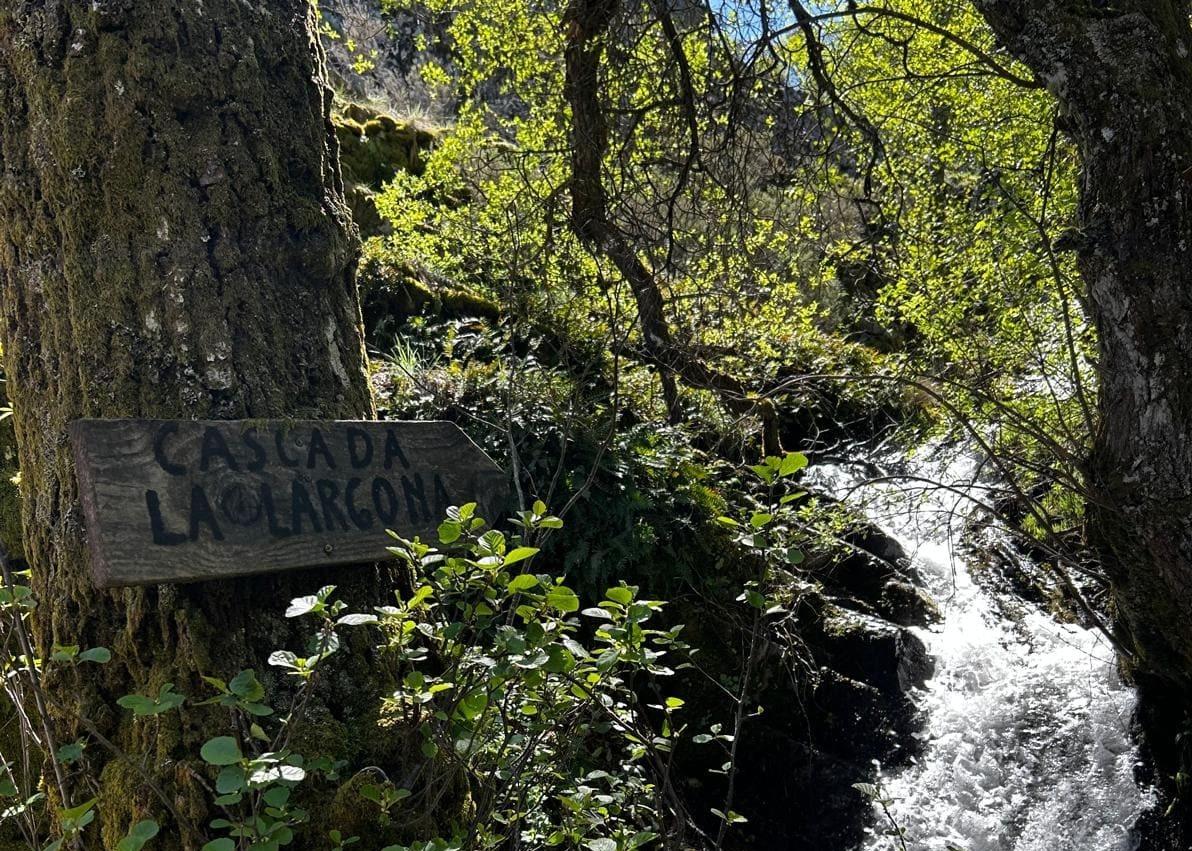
1027,743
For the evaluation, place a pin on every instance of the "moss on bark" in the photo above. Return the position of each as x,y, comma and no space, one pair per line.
174,242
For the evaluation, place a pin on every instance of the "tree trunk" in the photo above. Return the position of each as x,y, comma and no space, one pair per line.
587,24
174,243
1123,77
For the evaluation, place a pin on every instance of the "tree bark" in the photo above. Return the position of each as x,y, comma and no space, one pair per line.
1123,77
587,23
174,243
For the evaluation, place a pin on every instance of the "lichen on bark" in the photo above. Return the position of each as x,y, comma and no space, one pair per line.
1123,76
174,243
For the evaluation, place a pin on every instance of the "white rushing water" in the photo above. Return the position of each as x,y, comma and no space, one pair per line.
1027,744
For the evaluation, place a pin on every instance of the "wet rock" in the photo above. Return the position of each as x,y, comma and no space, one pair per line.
864,722
1019,575
837,689
879,576
906,604
886,656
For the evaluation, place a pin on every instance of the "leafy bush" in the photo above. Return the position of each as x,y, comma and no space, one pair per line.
517,697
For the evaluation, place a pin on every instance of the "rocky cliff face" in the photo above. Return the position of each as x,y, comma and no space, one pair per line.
377,57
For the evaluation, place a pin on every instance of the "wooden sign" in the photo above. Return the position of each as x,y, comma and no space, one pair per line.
179,500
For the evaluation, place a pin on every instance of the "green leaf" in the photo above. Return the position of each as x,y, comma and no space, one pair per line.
99,655
597,612
639,839
792,463
231,779
140,834
601,844
69,753
473,704
75,813
277,796
450,531
766,473
222,844
222,750
522,582
300,606
562,598
246,685
166,700
620,594
283,659
64,652
519,554
277,774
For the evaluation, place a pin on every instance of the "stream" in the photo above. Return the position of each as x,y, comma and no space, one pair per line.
1027,743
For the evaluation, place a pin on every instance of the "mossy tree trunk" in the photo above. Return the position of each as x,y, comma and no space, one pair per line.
1122,73
173,243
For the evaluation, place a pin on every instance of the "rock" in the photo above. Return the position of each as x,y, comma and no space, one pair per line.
888,657
374,148
907,605
879,576
838,696
391,292
863,722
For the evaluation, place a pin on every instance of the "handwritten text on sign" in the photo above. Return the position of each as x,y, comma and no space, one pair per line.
177,500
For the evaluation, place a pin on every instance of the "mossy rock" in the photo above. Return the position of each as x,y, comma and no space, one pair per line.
392,291
374,147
